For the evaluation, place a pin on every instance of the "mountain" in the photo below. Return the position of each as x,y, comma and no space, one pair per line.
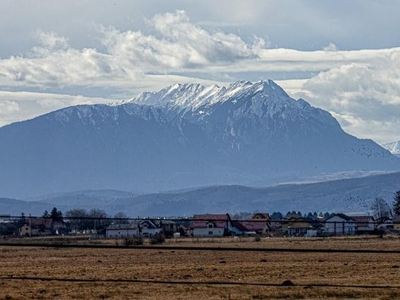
346,195
182,136
393,147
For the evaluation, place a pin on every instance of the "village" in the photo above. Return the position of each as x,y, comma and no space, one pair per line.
202,225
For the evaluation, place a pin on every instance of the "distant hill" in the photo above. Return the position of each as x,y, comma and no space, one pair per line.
345,195
183,136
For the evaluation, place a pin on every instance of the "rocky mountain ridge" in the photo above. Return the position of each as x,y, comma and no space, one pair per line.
183,136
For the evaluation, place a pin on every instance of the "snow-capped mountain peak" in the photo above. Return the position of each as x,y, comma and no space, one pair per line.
182,136
192,96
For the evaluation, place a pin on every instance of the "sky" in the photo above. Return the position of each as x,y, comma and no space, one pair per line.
342,56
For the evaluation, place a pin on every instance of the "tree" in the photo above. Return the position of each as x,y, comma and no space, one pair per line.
120,218
46,214
396,203
381,209
276,215
78,219
100,219
56,215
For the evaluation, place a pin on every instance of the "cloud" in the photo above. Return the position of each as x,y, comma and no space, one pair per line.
363,95
8,107
178,43
26,105
360,87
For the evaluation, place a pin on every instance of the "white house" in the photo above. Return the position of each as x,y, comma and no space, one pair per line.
149,228
210,225
364,224
339,224
122,230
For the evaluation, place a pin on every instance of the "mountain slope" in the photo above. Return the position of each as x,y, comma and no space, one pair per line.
393,147
182,136
346,195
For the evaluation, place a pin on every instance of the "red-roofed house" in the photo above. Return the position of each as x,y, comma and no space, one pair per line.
259,224
250,227
210,225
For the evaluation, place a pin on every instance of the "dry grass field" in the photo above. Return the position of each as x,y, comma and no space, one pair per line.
126,273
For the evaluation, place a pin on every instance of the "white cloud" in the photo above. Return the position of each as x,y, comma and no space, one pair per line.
330,47
8,107
360,87
362,95
177,44
26,105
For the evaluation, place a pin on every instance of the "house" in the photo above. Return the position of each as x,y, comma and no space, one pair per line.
259,224
146,228
149,228
122,230
168,227
301,226
211,225
340,224
364,224
42,226
249,227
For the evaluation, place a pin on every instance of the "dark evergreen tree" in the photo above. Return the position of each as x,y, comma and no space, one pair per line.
55,214
276,215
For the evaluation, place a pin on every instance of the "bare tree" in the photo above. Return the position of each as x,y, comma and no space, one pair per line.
396,203
120,218
381,209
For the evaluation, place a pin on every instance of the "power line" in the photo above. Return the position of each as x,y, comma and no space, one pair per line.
198,248
285,283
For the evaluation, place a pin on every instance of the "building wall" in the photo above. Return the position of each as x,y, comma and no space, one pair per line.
367,227
121,233
208,232
339,226
150,231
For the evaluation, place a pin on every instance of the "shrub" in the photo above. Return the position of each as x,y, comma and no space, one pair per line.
133,241
157,239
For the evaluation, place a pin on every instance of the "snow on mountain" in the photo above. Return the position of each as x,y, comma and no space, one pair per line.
180,137
393,147
193,96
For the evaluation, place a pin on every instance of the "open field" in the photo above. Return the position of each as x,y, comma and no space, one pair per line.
125,273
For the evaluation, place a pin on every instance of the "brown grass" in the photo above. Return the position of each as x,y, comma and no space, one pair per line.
139,269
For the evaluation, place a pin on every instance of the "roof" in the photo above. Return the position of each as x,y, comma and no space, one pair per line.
201,221
122,226
36,222
360,220
150,224
260,216
340,215
363,218
301,222
250,225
